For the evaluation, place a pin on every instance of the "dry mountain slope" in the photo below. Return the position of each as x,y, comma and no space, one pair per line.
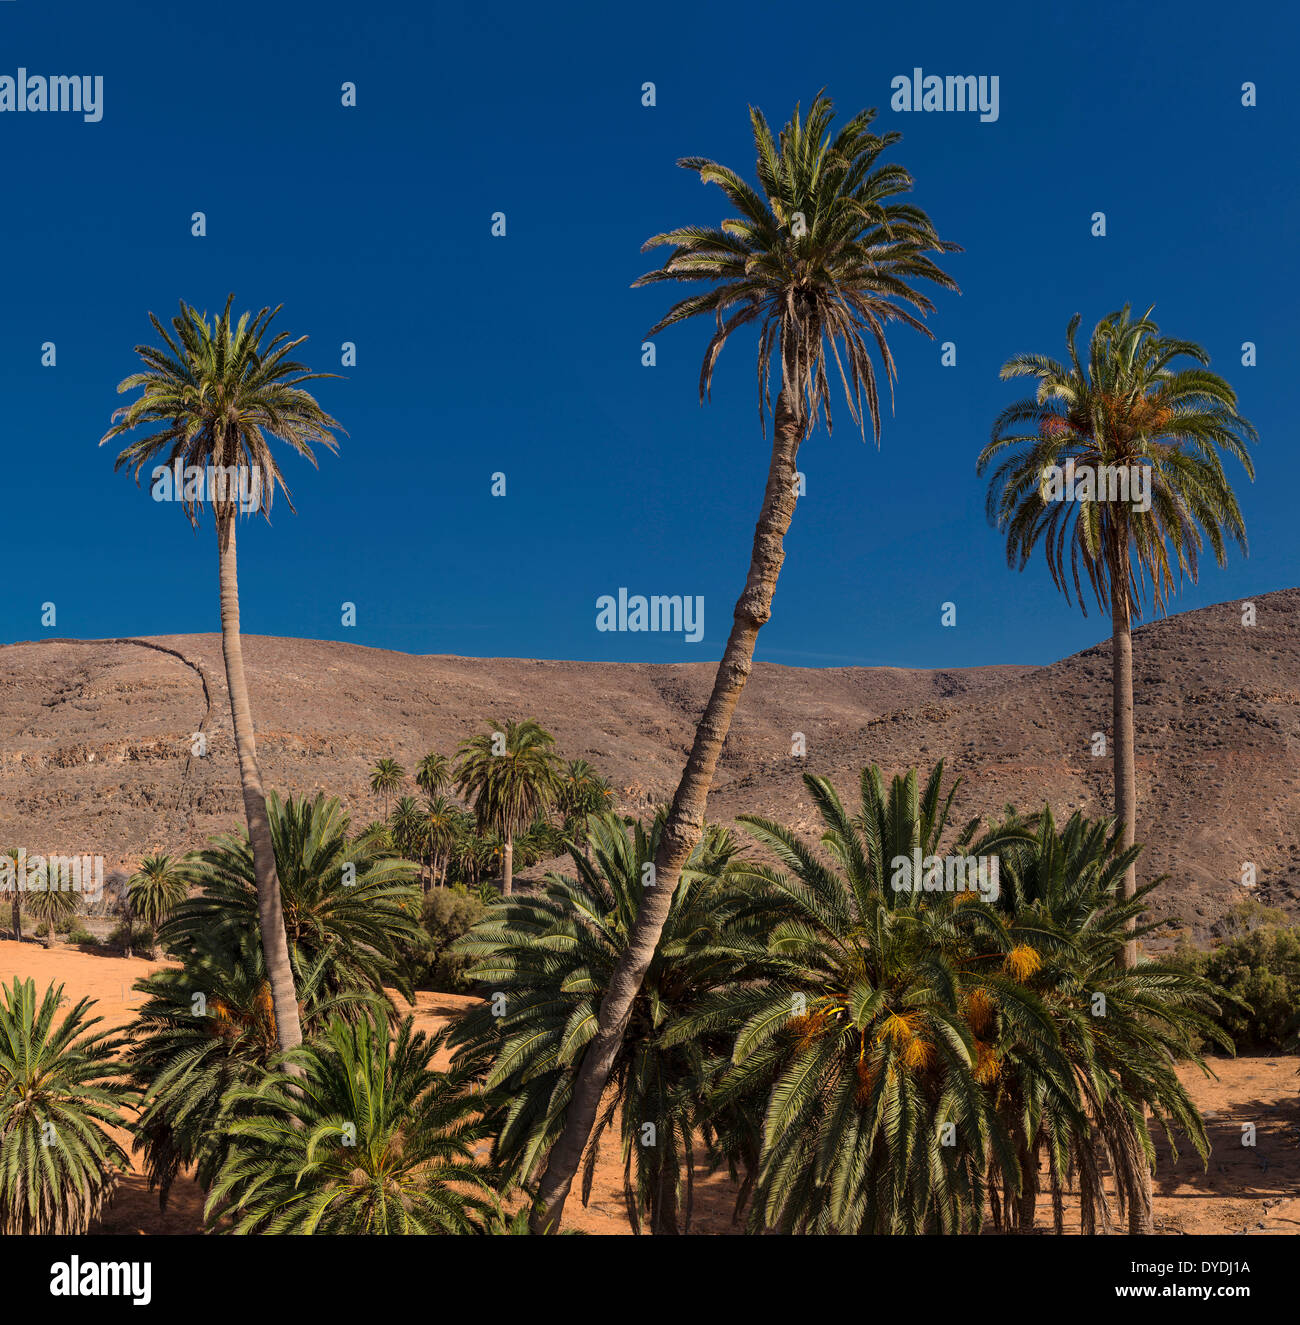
97,736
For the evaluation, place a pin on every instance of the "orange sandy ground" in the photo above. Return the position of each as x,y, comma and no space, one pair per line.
1243,1189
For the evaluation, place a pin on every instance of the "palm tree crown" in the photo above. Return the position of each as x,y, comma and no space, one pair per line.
60,1093
378,1142
216,394
386,777
1129,406
433,776
511,773
156,889
822,259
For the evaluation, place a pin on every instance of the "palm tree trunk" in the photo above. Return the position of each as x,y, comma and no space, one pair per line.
664,1222
270,913
1139,1212
685,822
508,866
1122,734
17,913
1027,1201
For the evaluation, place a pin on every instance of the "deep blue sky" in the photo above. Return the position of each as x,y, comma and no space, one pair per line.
522,354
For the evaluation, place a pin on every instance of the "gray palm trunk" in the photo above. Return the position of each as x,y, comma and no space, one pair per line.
685,823
1122,721
508,866
270,912
16,913
1139,1214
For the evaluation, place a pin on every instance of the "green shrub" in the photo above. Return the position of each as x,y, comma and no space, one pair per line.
1259,964
1262,968
64,924
134,935
448,914
79,934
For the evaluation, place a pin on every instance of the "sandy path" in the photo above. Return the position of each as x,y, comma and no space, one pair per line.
1255,1189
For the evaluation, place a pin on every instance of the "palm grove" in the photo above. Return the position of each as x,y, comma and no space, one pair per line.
858,1058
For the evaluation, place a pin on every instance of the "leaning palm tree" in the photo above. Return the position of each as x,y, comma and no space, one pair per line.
155,890
60,1093
1129,412
821,258
510,773
378,1142
213,399
386,777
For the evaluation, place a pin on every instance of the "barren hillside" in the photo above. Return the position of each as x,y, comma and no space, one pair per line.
97,736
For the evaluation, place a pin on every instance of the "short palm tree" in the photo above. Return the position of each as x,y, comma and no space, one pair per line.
434,774
1131,409
51,904
345,898
821,258
406,824
510,773
376,1142
440,824
60,1093
861,1035
385,778
582,792
214,398
156,889
188,1054
551,957
1122,1030
465,856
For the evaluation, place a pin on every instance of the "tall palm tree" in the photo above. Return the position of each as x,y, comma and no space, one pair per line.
156,889
821,258
1130,408
510,774
215,397
386,777
434,774
378,1142
60,1093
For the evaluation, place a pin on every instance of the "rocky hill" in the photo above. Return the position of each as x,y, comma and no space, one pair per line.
98,736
